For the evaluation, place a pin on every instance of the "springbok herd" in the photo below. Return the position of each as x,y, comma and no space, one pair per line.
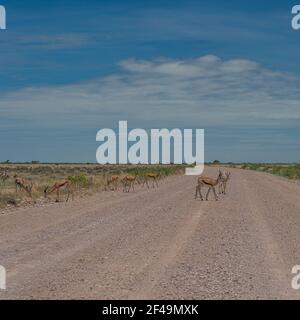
129,181
114,182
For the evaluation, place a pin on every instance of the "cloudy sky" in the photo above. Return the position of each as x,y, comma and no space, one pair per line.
70,68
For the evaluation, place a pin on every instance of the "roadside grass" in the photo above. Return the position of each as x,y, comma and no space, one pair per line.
291,171
86,178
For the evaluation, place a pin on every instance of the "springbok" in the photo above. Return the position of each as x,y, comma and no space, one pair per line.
223,183
4,176
154,176
66,184
23,184
128,181
114,181
210,183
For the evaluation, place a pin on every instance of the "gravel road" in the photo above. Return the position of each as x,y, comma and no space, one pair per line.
158,243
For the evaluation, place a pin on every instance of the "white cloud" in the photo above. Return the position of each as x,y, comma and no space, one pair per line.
202,92
206,65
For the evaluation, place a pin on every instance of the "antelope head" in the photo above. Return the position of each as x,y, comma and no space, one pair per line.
220,175
45,191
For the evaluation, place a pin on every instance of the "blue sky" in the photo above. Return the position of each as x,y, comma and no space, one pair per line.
70,68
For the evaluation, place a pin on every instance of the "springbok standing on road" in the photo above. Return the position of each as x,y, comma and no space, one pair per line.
223,183
151,176
128,181
210,183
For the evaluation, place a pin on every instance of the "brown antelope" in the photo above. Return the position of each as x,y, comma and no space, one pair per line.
210,183
114,181
23,184
128,181
223,183
66,184
4,176
154,176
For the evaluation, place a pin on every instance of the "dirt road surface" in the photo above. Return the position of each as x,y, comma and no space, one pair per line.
158,243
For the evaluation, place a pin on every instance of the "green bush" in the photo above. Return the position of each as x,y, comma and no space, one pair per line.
79,180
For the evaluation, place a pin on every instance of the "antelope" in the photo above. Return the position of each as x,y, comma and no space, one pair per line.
223,183
57,186
113,180
23,184
4,176
153,176
128,181
210,183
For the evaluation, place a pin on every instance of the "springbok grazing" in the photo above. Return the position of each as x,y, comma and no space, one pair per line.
66,184
114,181
153,176
128,181
23,184
210,183
223,183
4,176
